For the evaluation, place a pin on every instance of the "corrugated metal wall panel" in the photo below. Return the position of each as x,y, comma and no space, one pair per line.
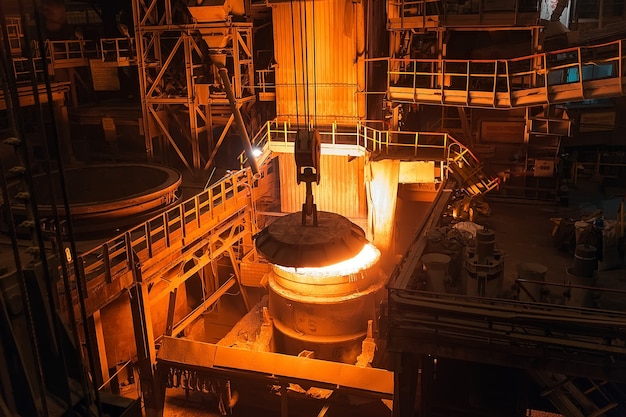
322,63
341,189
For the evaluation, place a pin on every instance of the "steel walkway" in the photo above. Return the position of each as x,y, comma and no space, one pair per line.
456,159
567,75
202,228
219,217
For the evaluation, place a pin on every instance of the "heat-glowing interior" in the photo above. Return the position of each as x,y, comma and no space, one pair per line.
367,257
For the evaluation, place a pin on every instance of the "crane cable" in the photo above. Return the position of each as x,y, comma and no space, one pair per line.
295,78
314,70
305,59
304,31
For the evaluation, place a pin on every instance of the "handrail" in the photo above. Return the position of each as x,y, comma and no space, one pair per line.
433,145
106,49
117,49
505,77
441,11
539,334
72,49
174,228
22,68
519,285
105,383
372,139
266,81
505,82
409,8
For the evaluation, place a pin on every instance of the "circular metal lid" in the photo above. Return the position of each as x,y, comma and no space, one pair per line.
287,242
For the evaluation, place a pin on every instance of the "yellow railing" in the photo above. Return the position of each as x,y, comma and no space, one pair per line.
117,49
266,83
436,146
152,242
361,134
70,50
370,138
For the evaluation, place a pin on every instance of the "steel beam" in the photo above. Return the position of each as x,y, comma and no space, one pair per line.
157,57
214,298
275,368
152,392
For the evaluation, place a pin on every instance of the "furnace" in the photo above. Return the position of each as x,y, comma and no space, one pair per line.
324,286
325,281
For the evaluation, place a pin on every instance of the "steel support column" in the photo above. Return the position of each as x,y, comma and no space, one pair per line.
174,79
427,380
101,373
152,392
405,383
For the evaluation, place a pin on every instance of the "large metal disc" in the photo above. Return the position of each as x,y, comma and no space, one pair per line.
287,242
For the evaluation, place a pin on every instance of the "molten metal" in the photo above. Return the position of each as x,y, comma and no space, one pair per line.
325,285
368,256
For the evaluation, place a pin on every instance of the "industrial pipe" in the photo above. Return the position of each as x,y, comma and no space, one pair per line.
245,139
558,10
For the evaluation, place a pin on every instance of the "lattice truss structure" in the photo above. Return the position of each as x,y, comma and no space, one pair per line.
184,103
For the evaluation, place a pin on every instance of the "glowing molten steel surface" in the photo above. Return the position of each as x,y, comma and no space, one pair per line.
368,256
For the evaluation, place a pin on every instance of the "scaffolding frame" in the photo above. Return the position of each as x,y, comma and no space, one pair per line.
183,102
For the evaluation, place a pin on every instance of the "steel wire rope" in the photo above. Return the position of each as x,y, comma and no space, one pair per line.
304,38
57,224
295,78
9,85
66,205
314,69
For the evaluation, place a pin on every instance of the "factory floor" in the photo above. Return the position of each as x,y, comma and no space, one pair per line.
528,232
524,232
532,236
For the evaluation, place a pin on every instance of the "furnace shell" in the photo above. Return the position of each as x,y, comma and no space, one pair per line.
324,314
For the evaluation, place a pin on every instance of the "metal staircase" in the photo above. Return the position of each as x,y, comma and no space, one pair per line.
531,170
581,397
468,171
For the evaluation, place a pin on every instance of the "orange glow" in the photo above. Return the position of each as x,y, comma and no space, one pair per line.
382,195
368,256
